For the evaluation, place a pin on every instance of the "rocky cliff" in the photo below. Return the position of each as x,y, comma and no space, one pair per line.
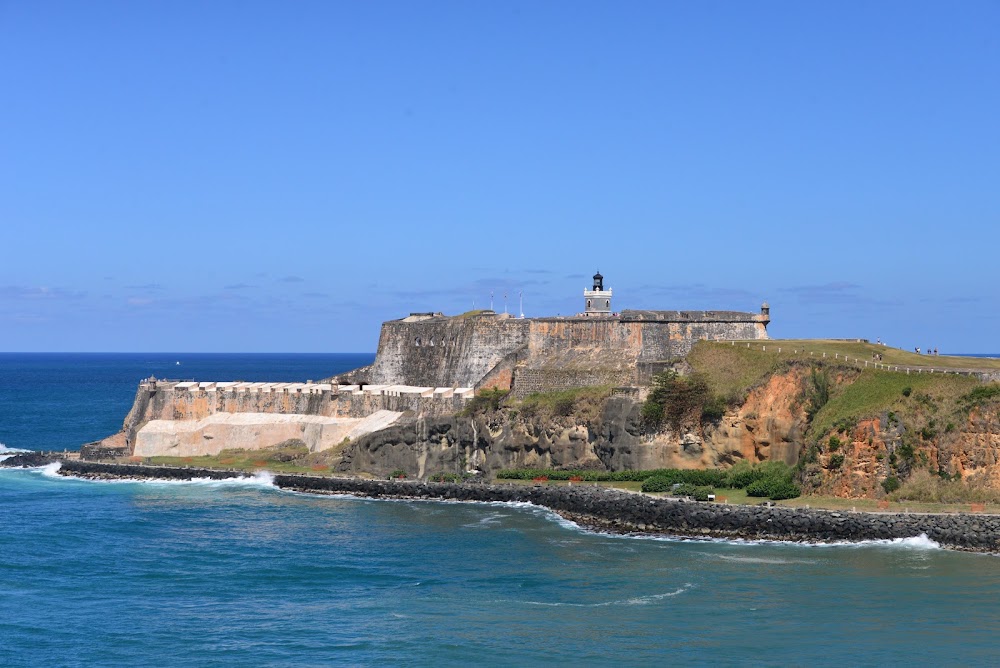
922,433
593,432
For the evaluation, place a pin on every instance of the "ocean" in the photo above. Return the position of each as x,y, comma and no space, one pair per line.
241,573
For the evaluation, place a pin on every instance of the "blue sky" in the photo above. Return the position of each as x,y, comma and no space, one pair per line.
241,176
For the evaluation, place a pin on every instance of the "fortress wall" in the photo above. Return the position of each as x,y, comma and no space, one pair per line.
548,336
670,340
165,402
528,381
445,352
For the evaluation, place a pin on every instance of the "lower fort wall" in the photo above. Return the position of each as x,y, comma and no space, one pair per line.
189,401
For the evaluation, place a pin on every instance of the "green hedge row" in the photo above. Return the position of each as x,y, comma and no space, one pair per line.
766,479
698,477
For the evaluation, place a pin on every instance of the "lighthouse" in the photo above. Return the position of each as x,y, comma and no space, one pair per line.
597,301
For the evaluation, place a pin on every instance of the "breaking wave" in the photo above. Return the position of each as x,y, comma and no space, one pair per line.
6,452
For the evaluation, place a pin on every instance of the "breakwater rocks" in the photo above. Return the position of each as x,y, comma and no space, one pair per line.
623,512
30,459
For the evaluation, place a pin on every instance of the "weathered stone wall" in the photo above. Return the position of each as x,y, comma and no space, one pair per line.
529,380
166,402
445,352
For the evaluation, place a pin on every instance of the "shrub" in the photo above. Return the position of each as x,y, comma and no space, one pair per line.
834,444
905,451
785,490
398,473
657,484
890,484
907,390
698,477
980,395
774,488
486,401
818,392
681,399
714,409
744,474
836,461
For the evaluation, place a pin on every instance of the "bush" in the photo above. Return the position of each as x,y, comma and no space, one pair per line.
657,484
398,473
834,444
714,409
701,477
890,484
907,390
678,400
836,461
818,392
785,490
774,489
486,401
743,474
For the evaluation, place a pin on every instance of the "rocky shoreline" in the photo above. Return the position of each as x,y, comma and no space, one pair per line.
615,511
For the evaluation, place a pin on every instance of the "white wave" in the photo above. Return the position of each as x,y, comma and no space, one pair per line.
6,452
921,542
639,600
260,479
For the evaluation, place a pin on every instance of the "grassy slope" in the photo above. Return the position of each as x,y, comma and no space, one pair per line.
734,370
864,351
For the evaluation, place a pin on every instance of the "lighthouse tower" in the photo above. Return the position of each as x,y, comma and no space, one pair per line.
598,300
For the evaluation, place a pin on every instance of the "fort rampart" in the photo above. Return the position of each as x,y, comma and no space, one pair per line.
498,350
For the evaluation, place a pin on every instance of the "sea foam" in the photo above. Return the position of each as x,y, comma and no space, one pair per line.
6,452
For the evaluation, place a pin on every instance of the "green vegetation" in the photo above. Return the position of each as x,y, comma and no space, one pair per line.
860,351
656,484
978,396
817,391
584,402
874,392
699,477
731,371
677,400
398,473
776,478
485,402
926,487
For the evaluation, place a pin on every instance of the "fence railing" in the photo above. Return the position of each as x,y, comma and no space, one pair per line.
778,347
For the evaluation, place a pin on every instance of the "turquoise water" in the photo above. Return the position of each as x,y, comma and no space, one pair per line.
240,573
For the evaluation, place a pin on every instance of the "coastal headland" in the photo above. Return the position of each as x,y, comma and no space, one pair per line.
615,511
483,392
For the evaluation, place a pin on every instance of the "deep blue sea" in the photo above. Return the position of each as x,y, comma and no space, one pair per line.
240,573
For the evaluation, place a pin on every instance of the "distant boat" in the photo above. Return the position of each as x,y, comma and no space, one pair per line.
177,363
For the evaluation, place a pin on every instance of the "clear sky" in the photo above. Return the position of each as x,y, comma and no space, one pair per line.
283,176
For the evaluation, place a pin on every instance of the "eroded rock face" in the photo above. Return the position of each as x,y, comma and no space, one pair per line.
768,425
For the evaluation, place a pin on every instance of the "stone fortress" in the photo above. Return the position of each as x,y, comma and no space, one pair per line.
427,365
484,349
